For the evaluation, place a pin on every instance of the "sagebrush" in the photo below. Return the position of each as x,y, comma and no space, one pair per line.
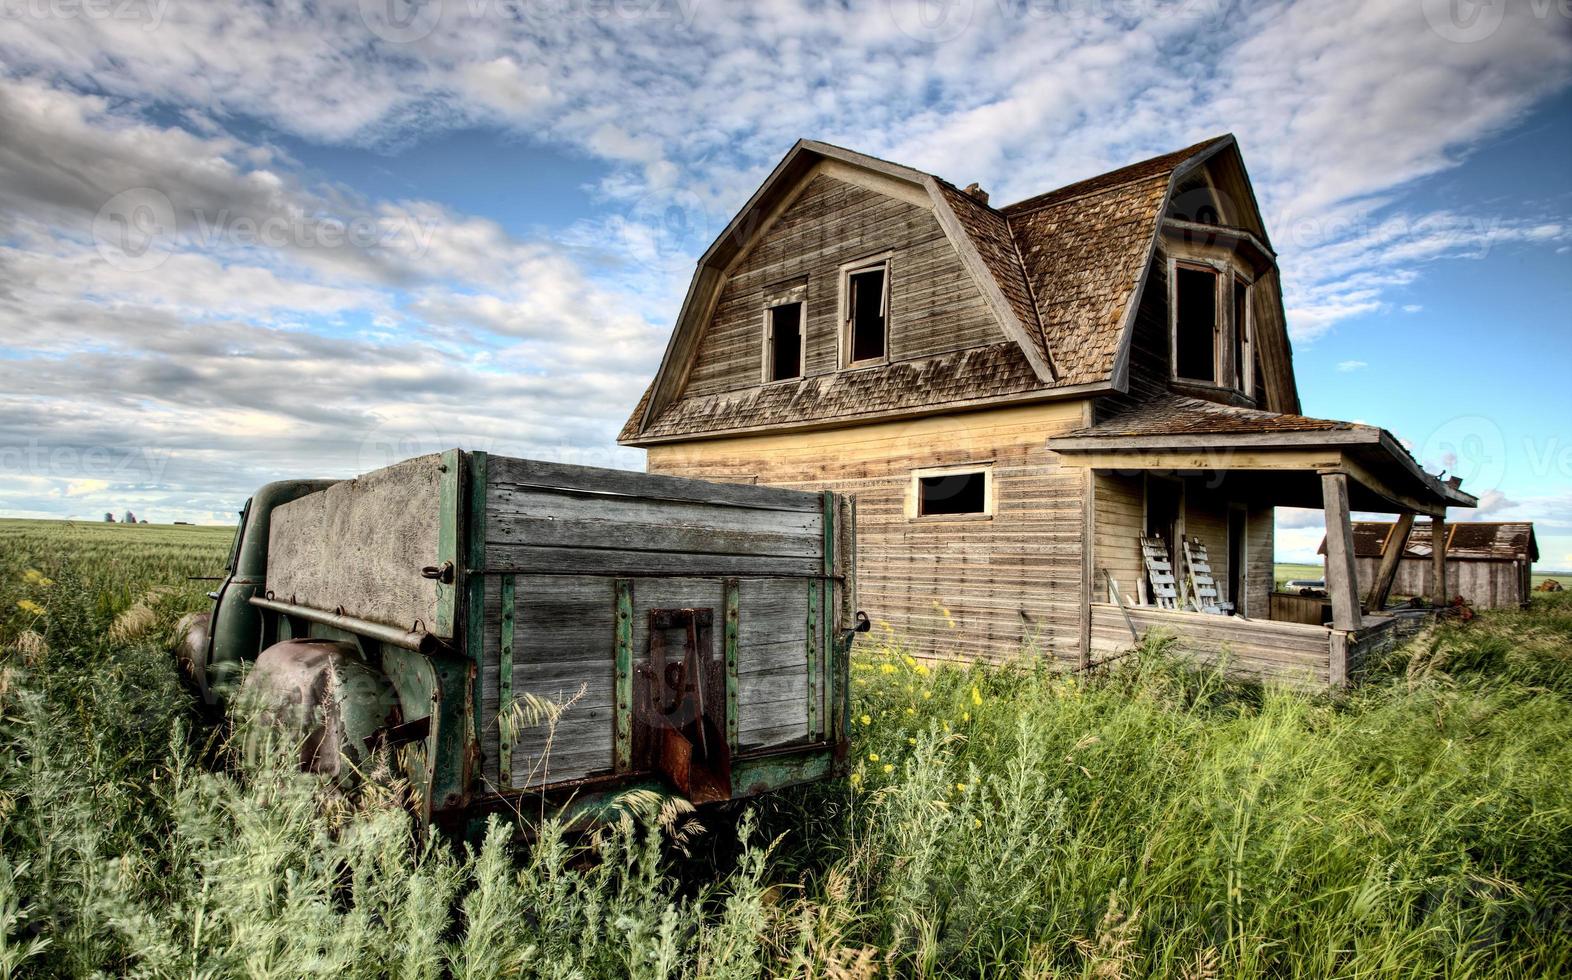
1153,821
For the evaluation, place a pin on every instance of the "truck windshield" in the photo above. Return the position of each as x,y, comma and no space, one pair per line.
240,533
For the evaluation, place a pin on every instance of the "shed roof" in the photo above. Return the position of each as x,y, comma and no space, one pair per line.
1489,540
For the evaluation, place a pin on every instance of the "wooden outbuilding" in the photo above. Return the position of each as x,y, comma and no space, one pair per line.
1488,563
1016,396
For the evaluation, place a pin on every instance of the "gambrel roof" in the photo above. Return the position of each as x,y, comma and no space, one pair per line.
1062,273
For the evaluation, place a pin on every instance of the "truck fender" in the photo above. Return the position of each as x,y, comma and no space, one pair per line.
191,634
324,697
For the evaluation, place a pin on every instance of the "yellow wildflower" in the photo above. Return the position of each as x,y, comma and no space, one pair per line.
976,823
960,787
887,668
926,695
976,695
888,768
34,577
29,606
873,757
966,716
856,779
910,661
866,720
911,741
922,670
911,710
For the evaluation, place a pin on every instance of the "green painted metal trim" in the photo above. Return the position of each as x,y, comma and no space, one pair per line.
452,472
831,595
750,777
505,682
733,623
474,516
624,734
813,658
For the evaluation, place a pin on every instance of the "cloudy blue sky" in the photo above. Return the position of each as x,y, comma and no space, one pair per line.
240,241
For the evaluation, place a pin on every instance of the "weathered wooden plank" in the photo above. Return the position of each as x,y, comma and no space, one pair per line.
624,640
1342,579
1391,557
657,537
595,480
520,559
509,503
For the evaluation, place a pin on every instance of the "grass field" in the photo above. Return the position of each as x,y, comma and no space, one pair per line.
1149,822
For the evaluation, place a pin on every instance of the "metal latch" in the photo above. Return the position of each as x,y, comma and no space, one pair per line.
442,573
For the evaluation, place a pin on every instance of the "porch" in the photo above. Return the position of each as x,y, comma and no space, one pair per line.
1181,471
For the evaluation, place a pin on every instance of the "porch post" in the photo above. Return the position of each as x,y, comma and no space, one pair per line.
1438,590
1391,556
1342,580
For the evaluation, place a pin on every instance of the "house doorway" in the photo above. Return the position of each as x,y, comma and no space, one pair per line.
1164,511
1238,528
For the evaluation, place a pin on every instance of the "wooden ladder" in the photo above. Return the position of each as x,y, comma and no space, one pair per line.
1198,574
1160,572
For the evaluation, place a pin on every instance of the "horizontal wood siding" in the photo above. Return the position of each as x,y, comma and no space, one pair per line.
1119,522
934,304
1289,652
944,588
566,534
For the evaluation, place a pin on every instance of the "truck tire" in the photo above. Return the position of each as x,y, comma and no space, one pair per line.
324,700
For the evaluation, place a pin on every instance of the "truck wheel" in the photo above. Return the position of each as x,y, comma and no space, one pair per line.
325,699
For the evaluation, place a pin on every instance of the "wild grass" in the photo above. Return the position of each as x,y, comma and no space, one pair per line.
1149,822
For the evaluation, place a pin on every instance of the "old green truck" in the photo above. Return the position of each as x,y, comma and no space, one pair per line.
507,628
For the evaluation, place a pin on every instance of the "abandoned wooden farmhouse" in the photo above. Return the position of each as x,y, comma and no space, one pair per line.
1064,421
1488,563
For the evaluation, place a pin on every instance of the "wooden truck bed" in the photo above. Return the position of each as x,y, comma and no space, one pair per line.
553,581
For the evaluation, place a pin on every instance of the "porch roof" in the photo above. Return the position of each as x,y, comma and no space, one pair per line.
1178,433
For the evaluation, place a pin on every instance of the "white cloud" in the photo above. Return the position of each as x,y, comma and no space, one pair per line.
281,353
1346,366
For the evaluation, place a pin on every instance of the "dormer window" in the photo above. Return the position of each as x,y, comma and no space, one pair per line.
785,346
865,302
1195,328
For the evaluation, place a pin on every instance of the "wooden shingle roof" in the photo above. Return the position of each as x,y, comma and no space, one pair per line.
1497,540
1062,272
1181,415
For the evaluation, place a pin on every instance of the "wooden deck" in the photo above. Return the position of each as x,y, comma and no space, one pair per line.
1296,654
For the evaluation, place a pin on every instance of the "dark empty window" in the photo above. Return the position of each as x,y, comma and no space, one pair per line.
865,310
785,342
1241,334
953,493
1195,324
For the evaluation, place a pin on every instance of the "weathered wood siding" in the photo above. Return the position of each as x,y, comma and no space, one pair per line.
946,587
1149,346
566,534
934,304
1484,584
1120,519
360,545
1286,652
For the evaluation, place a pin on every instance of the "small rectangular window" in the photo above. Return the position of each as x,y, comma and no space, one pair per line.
783,350
866,300
953,493
1195,324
